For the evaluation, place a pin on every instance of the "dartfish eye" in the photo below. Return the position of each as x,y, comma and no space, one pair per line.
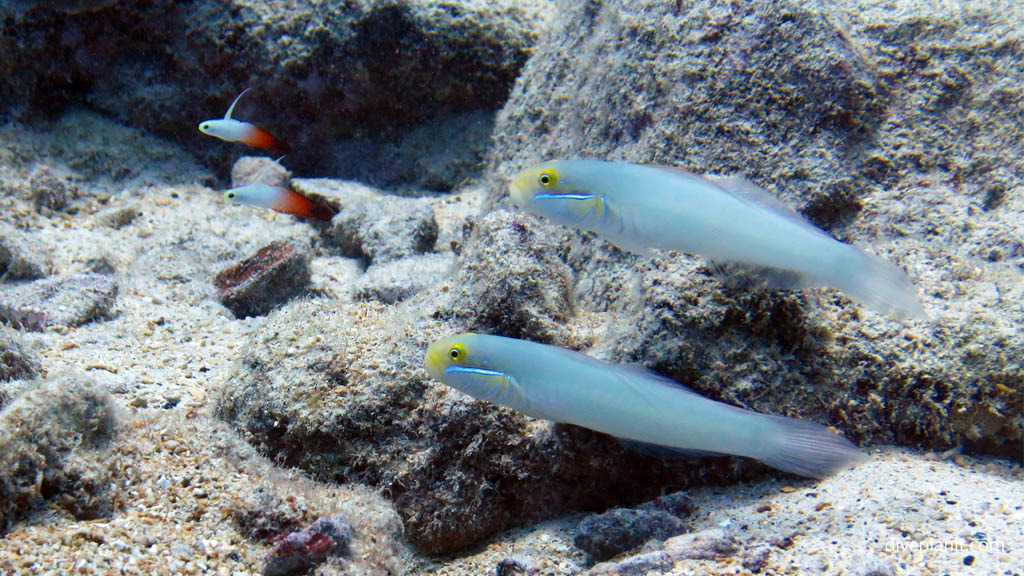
455,352
548,178
231,194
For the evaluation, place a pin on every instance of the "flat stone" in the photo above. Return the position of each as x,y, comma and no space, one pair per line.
400,279
275,274
20,256
605,535
300,551
60,301
705,545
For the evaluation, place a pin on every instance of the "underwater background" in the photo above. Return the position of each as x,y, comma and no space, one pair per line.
189,385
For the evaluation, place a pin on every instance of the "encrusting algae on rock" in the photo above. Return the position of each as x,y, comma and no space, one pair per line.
893,127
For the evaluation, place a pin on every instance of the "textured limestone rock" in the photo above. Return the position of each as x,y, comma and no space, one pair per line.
613,532
301,551
648,563
512,280
892,129
618,530
20,257
355,67
706,545
262,514
17,362
401,279
60,301
342,393
275,274
53,440
371,225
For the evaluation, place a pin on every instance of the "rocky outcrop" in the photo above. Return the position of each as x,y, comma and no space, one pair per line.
839,113
53,441
319,71
891,130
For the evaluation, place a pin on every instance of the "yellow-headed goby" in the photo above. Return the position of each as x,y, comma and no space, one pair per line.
639,207
641,408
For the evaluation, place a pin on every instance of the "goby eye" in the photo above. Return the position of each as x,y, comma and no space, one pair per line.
547,178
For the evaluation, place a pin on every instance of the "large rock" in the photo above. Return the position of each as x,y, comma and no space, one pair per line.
59,301
512,280
343,394
54,440
17,362
20,257
890,128
371,225
783,94
319,71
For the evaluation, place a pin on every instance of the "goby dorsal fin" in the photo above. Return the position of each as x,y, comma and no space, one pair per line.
232,107
263,171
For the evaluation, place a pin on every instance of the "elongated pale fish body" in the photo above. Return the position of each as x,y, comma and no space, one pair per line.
231,130
630,403
278,199
638,207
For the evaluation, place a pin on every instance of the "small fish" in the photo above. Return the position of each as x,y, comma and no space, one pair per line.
232,130
631,403
638,207
278,199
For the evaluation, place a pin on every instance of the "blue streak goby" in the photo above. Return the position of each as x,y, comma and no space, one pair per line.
638,207
231,130
630,403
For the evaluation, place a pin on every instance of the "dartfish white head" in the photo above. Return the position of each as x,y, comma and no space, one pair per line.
256,194
226,129
467,363
231,130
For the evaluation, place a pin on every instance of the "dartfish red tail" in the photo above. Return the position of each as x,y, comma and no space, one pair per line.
291,202
260,138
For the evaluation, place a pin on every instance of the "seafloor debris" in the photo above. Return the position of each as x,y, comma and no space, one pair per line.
53,440
20,257
512,280
17,361
264,515
400,279
705,545
299,551
651,562
603,536
60,301
275,274
385,228
50,190
118,217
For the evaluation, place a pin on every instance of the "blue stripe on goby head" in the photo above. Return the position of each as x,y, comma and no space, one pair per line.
546,196
471,370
